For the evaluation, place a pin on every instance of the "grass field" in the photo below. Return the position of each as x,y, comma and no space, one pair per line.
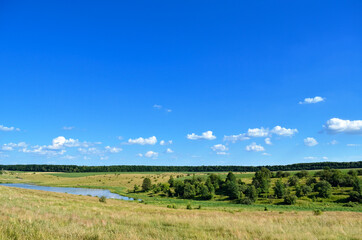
30,214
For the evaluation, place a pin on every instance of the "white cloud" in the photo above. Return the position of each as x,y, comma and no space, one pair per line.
205,135
169,150
43,150
143,141
316,99
113,149
68,128
140,155
168,110
333,142
258,132
266,154
285,132
235,138
163,142
219,148
12,146
8,129
222,153
336,125
268,141
310,142
253,147
353,145
157,106
151,154
91,150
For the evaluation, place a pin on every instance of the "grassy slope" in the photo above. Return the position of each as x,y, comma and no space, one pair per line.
121,182
30,214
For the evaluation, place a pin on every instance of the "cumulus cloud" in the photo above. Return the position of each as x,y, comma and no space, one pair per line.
337,125
163,142
316,99
268,141
113,149
235,138
310,142
258,132
253,147
205,135
219,148
8,129
151,154
169,150
143,141
262,132
285,132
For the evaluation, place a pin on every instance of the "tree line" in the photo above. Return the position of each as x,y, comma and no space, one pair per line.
287,187
146,168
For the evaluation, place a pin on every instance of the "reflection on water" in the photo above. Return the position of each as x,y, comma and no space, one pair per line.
70,190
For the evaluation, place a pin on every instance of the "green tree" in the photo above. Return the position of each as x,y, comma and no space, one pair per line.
189,191
171,181
230,177
303,190
293,180
279,189
251,193
206,193
146,185
232,189
323,188
261,180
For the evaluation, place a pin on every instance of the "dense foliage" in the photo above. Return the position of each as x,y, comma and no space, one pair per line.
287,187
142,168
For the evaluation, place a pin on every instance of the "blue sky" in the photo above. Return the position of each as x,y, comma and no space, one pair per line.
220,82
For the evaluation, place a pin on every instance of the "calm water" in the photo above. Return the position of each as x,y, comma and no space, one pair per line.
70,190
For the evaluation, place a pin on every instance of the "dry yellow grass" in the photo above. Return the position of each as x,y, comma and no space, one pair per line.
30,214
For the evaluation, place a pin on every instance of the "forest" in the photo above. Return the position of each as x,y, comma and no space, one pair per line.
146,168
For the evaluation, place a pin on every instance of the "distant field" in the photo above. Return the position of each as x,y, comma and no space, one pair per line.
123,183
30,214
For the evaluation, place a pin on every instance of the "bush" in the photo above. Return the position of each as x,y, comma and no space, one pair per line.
317,212
311,180
188,206
189,191
324,189
246,201
279,189
102,199
303,190
293,180
302,174
251,193
355,196
350,204
290,199
146,185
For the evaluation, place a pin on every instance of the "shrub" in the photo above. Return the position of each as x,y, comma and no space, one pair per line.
323,188
189,191
290,199
355,196
317,212
146,185
246,201
303,190
102,199
188,206
279,189
261,180
251,193
311,180
293,180
302,174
